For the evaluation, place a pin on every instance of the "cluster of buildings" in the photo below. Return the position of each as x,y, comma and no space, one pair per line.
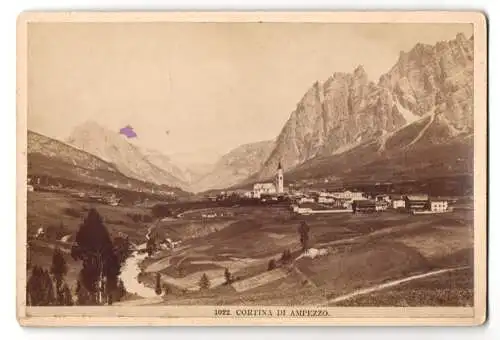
359,202
323,201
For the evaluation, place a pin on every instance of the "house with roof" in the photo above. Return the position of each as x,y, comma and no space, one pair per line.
260,189
438,205
364,206
417,202
348,195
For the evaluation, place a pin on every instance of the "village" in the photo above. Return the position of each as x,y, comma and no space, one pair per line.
252,235
324,201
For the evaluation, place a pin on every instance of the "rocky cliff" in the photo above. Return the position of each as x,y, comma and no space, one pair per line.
126,157
430,87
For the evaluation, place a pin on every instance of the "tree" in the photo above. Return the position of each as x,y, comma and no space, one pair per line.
34,287
40,288
271,265
204,282
83,297
228,276
59,270
67,296
121,290
166,290
100,265
304,235
122,248
151,245
286,256
158,284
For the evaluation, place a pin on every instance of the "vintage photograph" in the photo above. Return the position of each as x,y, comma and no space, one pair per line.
281,167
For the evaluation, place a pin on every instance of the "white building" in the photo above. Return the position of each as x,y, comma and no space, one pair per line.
270,188
306,200
439,206
348,195
398,203
326,200
263,189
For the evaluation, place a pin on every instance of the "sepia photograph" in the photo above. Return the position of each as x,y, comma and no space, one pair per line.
253,168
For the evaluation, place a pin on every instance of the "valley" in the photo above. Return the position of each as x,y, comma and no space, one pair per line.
358,252
230,231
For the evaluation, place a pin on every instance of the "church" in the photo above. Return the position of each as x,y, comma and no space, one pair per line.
270,188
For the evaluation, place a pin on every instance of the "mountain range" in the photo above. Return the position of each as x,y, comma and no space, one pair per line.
342,125
415,121
52,158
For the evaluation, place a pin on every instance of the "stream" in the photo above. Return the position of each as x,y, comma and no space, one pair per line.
129,274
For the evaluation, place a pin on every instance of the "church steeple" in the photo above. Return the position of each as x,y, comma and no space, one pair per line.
279,179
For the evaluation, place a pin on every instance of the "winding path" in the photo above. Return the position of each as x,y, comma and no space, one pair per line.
382,286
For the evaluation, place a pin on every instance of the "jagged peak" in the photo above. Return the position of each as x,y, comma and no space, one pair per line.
360,72
461,37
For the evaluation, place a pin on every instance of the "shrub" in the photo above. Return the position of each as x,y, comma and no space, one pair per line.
271,265
286,257
71,212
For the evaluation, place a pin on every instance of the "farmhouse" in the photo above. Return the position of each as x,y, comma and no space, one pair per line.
326,200
348,195
364,206
381,205
306,200
382,198
438,205
398,202
417,202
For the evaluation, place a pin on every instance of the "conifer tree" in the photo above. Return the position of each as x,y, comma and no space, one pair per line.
83,297
158,284
166,290
304,235
100,265
227,276
67,296
204,282
59,270
34,293
121,290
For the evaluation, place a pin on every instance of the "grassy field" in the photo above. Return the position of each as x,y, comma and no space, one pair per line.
60,215
362,251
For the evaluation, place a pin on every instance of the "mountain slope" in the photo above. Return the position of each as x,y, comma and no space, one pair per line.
51,148
235,166
350,120
128,158
52,158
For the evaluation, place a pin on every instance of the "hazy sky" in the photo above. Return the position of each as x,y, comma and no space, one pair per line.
213,86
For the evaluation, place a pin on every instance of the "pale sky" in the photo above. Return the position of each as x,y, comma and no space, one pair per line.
214,86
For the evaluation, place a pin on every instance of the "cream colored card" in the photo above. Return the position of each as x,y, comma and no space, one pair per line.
251,168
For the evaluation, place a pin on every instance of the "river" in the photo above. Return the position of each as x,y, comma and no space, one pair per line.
129,274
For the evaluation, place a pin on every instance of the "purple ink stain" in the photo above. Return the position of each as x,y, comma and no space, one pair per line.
128,131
